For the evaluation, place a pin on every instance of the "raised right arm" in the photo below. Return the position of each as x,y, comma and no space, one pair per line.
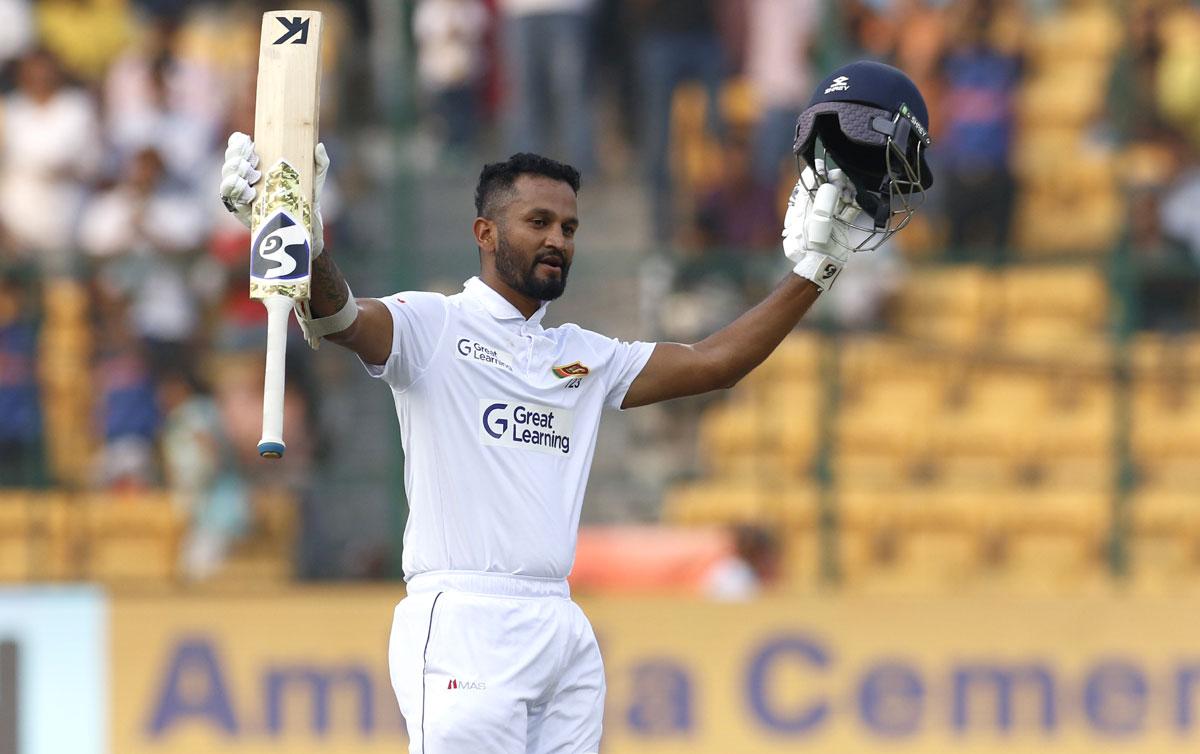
366,327
370,334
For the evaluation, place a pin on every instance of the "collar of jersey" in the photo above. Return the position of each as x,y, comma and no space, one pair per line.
498,306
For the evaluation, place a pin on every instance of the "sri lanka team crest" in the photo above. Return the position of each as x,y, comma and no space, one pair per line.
574,369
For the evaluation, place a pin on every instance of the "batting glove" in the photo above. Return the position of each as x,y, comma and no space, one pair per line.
240,173
813,239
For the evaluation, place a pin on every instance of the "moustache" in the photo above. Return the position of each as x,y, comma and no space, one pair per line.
551,255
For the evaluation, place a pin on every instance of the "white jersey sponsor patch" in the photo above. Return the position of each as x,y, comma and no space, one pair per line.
472,350
526,426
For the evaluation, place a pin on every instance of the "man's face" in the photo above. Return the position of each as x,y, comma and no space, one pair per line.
535,237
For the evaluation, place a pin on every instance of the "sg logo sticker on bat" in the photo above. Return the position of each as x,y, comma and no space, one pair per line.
282,249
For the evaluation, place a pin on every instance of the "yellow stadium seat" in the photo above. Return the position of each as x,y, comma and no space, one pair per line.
1082,32
1039,230
1180,474
1044,100
17,531
1080,420
1041,563
739,436
948,304
798,356
1046,542
951,328
1152,353
699,154
1091,474
720,502
1165,420
1076,291
981,471
61,551
804,558
924,563
907,541
266,556
872,472
795,505
132,538
1052,511
1041,149
870,358
64,301
965,434
889,414
1164,541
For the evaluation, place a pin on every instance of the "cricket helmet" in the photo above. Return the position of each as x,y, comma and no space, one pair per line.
871,121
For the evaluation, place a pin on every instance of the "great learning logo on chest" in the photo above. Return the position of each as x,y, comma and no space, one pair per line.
527,426
472,350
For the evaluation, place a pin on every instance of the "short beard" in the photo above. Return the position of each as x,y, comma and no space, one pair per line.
524,281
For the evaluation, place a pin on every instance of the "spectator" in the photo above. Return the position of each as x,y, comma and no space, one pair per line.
740,213
49,150
1133,110
777,65
1164,233
20,403
1177,84
1164,272
450,35
145,237
163,10
128,414
200,470
749,569
977,135
87,35
155,97
920,50
866,300
678,43
17,37
545,53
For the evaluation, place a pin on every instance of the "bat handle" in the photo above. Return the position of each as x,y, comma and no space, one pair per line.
278,308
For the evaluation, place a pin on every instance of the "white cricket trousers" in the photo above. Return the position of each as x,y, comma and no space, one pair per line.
495,664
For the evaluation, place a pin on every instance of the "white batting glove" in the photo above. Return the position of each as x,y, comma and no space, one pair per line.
240,173
238,176
812,238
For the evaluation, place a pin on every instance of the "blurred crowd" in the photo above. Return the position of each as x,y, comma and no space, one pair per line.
114,115
622,87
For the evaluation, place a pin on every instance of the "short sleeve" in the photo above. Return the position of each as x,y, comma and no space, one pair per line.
624,365
418,320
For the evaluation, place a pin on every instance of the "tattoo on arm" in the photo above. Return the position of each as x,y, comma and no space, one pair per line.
329,290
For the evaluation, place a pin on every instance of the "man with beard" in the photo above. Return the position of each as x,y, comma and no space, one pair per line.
499,417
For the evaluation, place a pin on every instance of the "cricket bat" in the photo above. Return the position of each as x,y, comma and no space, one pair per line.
285,135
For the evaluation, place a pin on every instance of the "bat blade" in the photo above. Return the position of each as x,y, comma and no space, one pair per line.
286,120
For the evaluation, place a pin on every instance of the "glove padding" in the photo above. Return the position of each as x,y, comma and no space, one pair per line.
238,176
240,173
813,239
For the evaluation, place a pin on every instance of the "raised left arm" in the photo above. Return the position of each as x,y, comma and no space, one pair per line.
818,247
676,370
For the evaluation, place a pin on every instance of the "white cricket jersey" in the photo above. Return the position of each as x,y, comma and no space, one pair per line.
498,418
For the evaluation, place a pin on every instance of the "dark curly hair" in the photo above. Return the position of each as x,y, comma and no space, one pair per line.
497,178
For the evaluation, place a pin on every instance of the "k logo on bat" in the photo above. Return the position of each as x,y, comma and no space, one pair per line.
281,249
295,25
